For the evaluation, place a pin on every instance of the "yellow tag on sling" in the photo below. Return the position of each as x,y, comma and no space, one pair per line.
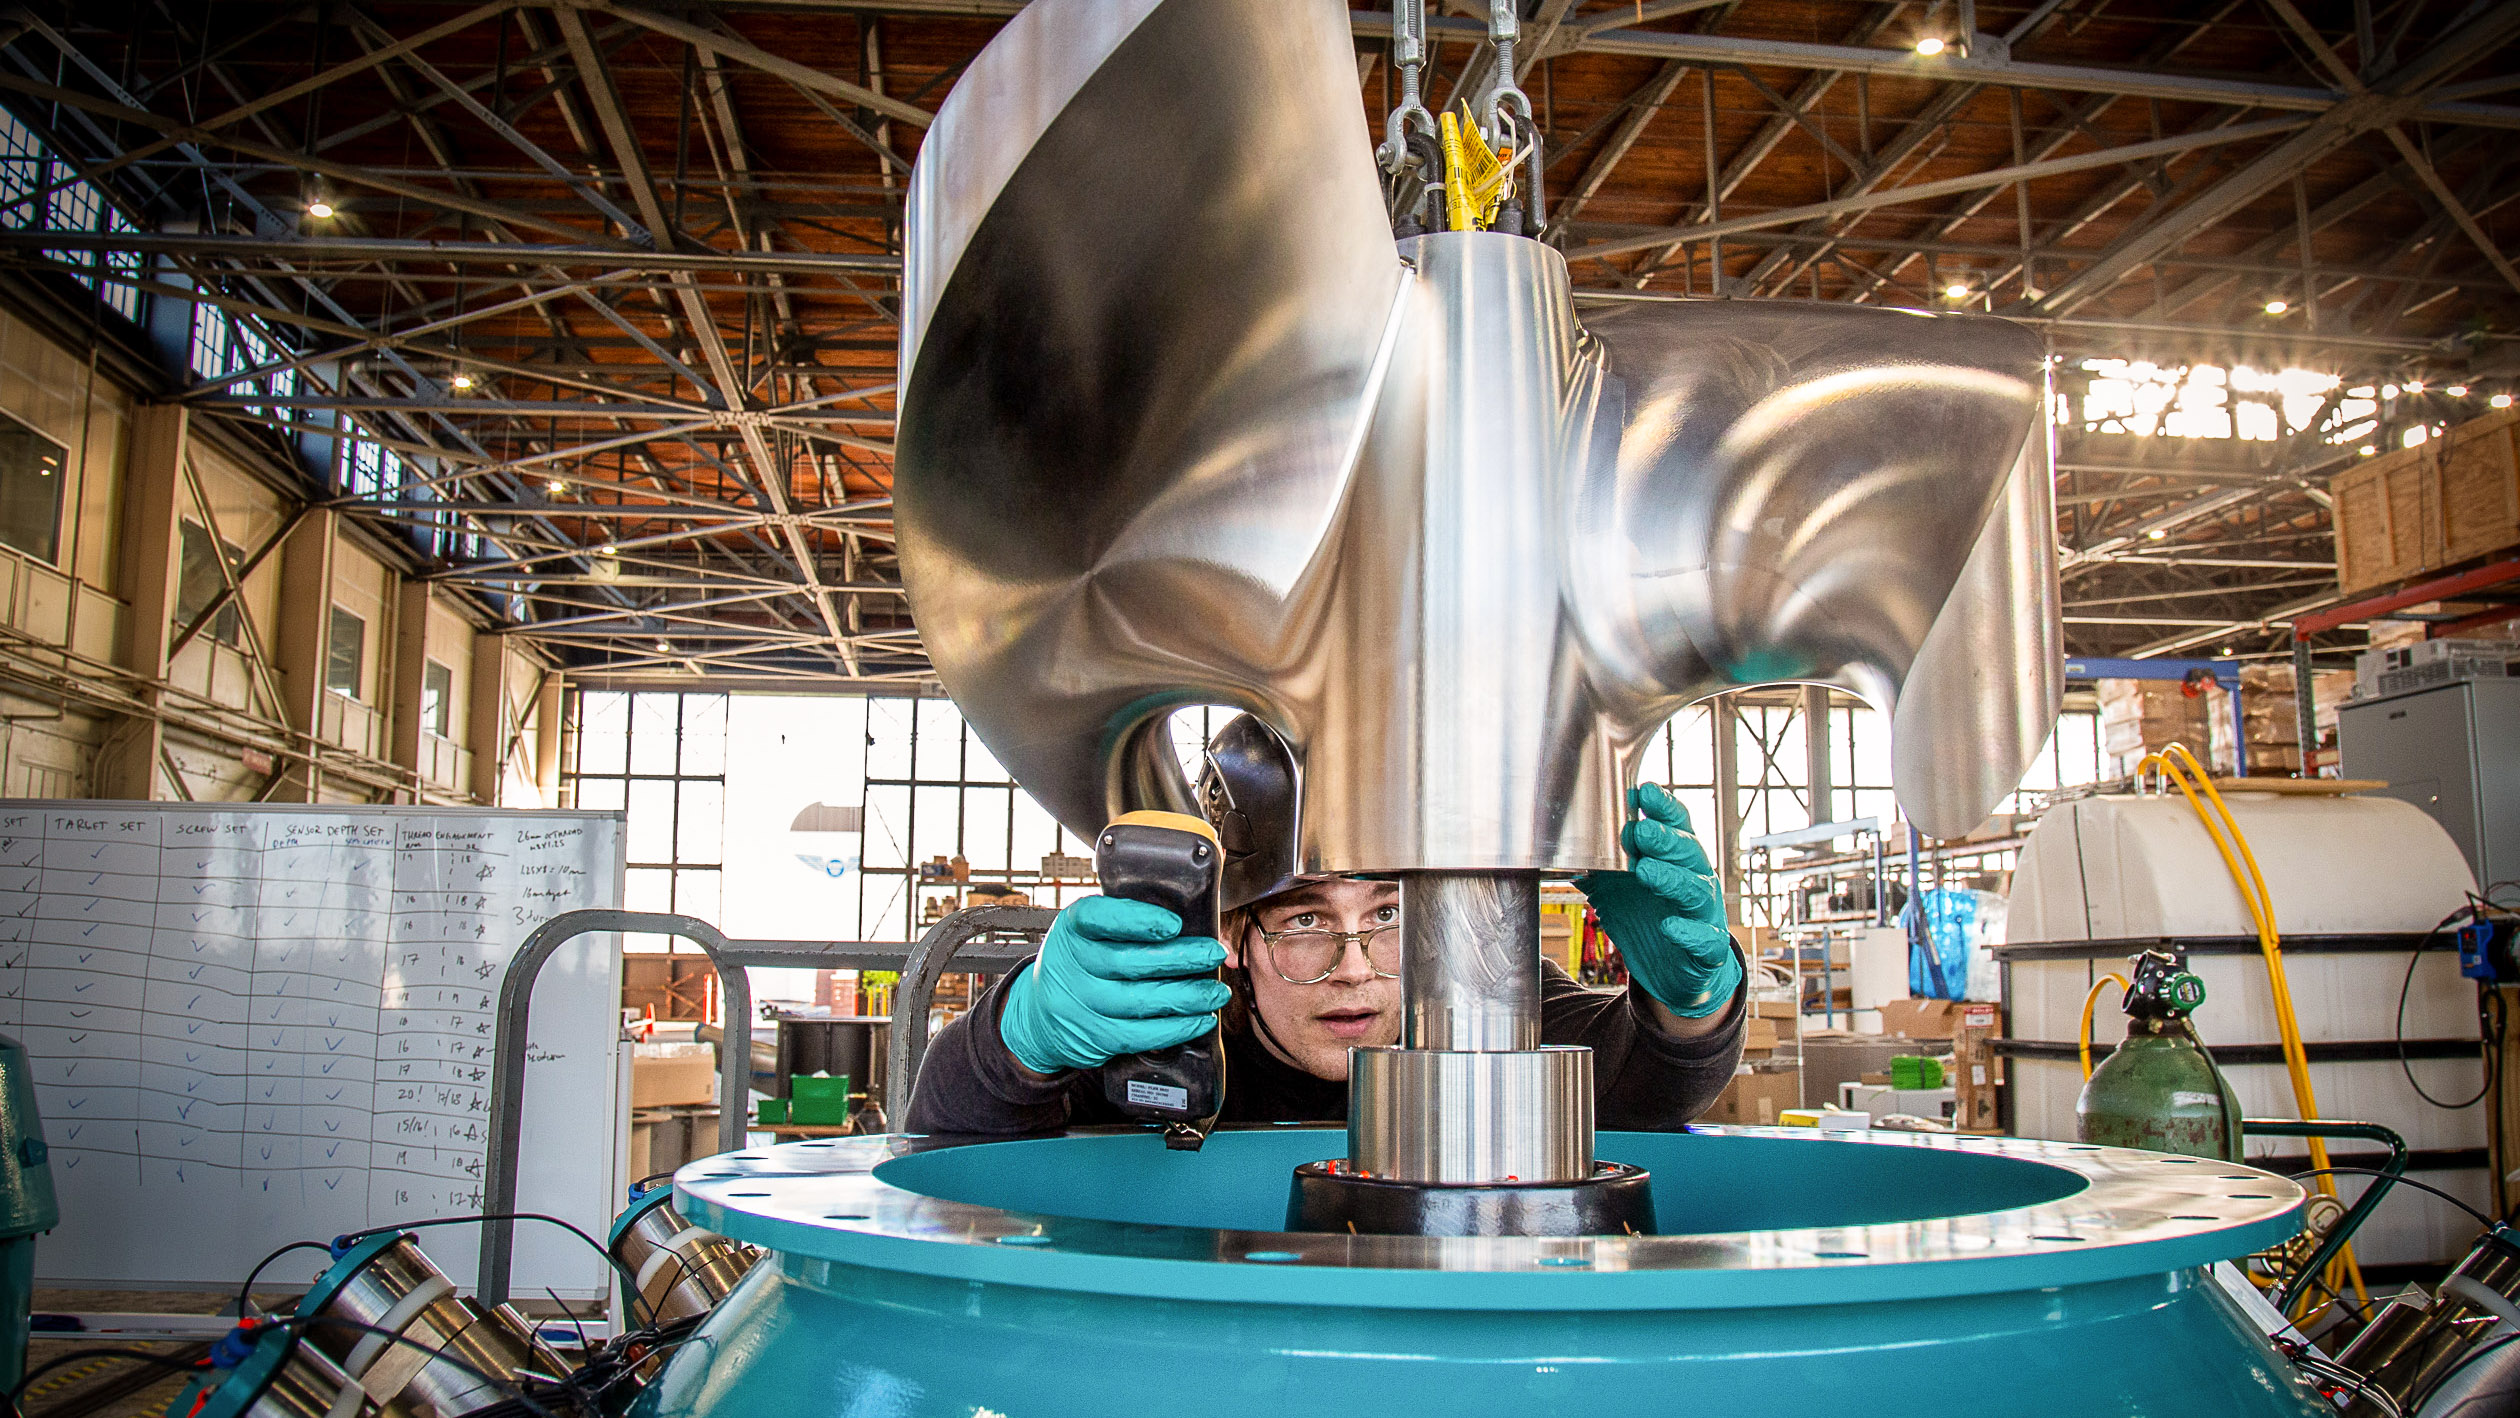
1474,180
1477,170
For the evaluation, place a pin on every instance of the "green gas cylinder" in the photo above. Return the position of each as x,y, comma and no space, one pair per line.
2160,1090
27,1208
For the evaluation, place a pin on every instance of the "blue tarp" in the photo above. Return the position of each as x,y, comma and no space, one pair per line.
1940,936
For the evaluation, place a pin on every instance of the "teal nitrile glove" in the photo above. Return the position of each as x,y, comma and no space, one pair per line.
1114,977
1665,913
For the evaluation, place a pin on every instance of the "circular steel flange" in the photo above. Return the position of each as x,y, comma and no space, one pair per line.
2023,1214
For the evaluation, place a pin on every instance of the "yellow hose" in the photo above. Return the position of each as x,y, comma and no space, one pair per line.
2178,766
2090,1000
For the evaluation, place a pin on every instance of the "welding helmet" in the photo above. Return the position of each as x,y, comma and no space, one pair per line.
1247,792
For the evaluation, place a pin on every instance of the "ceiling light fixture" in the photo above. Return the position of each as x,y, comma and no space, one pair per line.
2366,450
555,487
1930,46
2500,401
320,210
2156,534
1957,290
2278,307
608,549
2456,391
462,383
2414,386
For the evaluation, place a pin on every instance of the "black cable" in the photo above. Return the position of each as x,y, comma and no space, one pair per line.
2359,1311
140,1356
245,1292
599,1248
509,1382
2407,985
86,1398
575,1323
2482,1219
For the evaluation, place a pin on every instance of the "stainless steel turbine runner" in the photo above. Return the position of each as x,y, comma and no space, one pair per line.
1182,423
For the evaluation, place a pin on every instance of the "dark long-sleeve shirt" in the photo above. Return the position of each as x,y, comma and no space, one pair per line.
1644,1079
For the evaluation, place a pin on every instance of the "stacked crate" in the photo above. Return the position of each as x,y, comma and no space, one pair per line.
2271,719
2442,502
2141,716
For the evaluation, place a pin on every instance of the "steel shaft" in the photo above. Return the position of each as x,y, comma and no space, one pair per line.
1470,960
1470,1096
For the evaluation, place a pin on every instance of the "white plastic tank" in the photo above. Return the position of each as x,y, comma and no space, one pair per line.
2110,868
2342,871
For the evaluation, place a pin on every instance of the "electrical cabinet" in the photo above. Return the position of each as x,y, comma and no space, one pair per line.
2452,750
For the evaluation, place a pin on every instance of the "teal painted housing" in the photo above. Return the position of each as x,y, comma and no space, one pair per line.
1795,1274
27,1206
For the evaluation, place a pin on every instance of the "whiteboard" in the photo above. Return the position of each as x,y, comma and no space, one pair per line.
252,1025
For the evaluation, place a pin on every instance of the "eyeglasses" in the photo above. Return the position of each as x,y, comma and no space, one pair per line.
1308,957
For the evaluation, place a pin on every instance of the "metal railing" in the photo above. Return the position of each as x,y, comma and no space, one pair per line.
986,940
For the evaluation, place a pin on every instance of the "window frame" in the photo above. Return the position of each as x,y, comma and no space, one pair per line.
336,613
51,556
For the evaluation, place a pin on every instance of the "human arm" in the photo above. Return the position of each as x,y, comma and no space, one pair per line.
969,1083
1113,977
1645,1078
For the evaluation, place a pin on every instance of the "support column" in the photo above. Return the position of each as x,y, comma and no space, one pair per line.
304,647
547,716
491,723
1727,842
411,654
1816,746
150,541
2305,708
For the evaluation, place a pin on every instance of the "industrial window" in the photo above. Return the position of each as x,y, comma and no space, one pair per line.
225,348
345,653
662,756
437,694
38,190
198,583
31,475
935,798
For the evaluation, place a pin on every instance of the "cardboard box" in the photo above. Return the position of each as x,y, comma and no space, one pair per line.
662,1139
1755,1098
663,1075
1758,1035
1977,1073
1920,1018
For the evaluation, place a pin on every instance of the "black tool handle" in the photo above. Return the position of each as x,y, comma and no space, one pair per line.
1168,860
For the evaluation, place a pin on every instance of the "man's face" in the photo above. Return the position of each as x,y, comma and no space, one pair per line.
1316,1024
